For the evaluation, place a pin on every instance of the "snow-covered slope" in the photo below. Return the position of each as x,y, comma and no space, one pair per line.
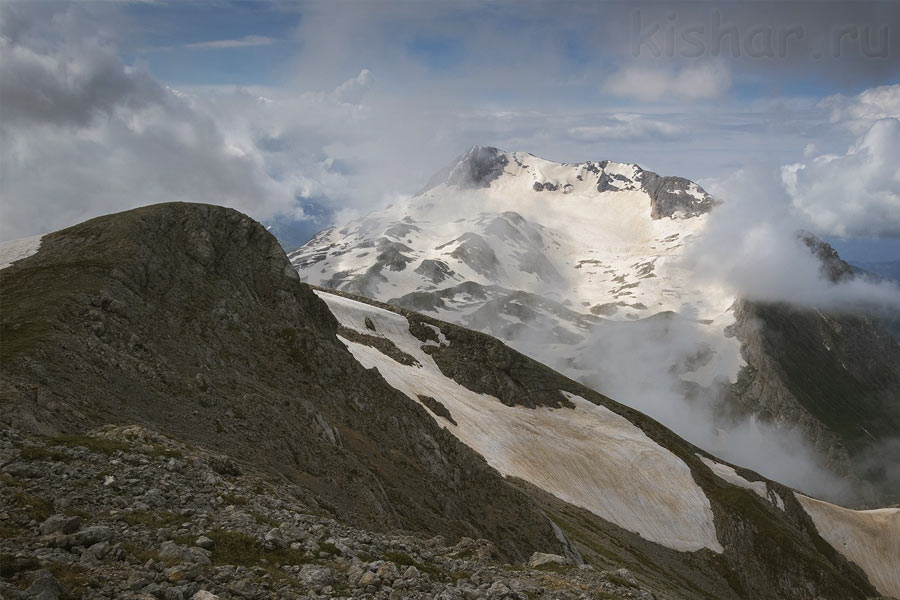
583,235
730,475
593,458
586,455
869,538
536,253
14,250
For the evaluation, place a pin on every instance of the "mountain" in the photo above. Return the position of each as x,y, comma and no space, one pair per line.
581,266
205,423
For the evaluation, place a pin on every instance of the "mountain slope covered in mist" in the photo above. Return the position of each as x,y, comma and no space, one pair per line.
584,267
189,321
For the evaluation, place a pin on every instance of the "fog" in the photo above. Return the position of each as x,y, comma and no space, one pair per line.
642,364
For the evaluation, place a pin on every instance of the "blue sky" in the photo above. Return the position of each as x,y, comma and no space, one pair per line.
303,113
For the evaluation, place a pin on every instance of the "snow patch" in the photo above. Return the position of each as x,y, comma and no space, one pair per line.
731,476
588,456
15,250
869,538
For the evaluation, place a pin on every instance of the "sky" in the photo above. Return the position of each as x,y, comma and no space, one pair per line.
305,114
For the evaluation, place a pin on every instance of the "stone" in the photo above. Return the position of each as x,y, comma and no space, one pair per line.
98,550
60,523
204,542
498,590
273,536
315,576
411,573
388,572
539,559
204,595
45,587
90,536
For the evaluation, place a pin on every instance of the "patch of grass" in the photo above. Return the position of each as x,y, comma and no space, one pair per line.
30,453
11,481
33,507
329,548
94,444
142,553
263,520
554,568
10,566
158,451
621,581
74,579
240,549
77,512
234,499
8,532
152,520
403,559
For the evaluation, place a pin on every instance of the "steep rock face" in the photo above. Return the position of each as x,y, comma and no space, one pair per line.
671,195
189,319
835,377
477,167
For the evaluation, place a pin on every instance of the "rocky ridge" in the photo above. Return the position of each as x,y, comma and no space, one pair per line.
124,512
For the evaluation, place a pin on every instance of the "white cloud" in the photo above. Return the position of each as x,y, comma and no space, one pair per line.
627,126
855,194
751,248
691,82
858,113
84,135
244,42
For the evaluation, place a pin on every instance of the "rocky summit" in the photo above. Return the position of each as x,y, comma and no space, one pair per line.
182,417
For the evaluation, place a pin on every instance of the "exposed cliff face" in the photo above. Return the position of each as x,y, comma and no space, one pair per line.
475,168
675,195
835,377
189,319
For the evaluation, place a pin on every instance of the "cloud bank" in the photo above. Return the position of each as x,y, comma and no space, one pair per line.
82,134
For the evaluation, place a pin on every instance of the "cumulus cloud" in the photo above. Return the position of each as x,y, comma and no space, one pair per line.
627,126
858,113
855,194
82,134
690,82
752,248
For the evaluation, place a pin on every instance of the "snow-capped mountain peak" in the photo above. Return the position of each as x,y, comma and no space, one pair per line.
545,256
593,235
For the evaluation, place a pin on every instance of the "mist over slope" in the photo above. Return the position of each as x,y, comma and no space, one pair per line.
600,270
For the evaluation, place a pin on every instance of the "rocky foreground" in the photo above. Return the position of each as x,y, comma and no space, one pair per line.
128,513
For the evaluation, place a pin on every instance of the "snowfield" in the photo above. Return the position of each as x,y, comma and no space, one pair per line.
869,538
588,456
731,476
15,250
